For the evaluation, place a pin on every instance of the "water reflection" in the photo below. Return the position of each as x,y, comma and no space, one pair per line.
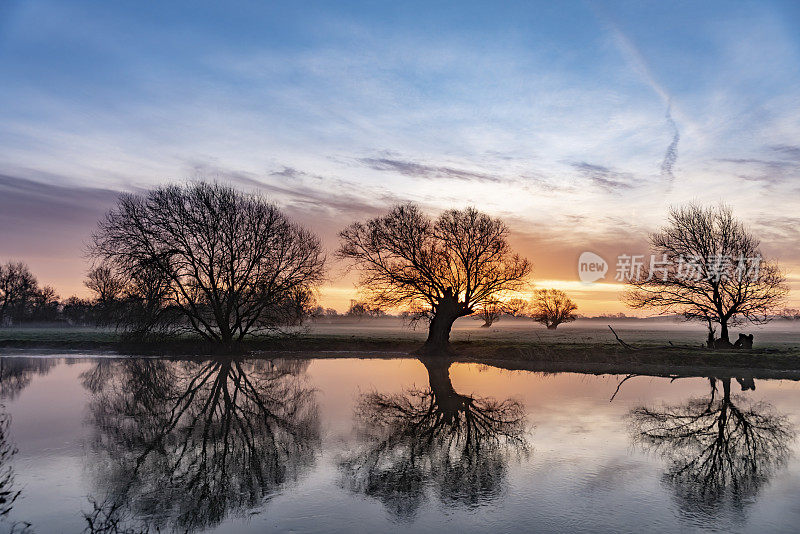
183,444
8,493
721,449
16,374
433,437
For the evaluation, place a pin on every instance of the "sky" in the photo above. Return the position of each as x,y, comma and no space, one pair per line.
579,123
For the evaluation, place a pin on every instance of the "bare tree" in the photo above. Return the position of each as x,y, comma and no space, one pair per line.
108,289
18,286
448,268
490,312
44,304
359,310
224,263
104,283
708,266
551,307
517,307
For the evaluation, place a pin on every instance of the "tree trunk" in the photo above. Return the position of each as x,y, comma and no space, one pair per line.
447,400
552,326
446,312
439,332
723,331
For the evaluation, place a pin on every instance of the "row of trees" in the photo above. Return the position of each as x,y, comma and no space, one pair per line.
550,307
22,299
210,260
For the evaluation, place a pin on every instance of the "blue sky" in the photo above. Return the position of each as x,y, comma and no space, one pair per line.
579,122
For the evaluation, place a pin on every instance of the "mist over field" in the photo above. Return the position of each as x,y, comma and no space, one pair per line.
658,330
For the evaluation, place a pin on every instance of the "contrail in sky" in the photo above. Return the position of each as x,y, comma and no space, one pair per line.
671,155
638,64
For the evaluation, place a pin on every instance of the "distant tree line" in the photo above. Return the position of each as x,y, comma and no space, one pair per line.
212,261
22,299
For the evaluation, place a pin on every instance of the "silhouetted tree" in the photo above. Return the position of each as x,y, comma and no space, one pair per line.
18,287
78,311
360,310
552,307
718,450
44,305
185,444
104,283
458,443
490,312
216,261
517,307
357,309
107,288
708,266
448,267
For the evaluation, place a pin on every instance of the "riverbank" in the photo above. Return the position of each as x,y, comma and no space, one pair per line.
569,351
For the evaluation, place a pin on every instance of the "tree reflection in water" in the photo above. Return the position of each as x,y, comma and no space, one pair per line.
184,444
435,437
721,449
16,374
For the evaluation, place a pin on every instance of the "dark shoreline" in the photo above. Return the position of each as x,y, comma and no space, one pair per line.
600,358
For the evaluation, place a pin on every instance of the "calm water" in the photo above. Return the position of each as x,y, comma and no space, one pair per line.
347,445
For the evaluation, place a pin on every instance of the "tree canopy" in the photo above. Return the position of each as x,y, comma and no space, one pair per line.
208,258
551,307
707,265
448,267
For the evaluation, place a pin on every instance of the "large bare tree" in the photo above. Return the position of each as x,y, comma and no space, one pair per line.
448,267
224,262
706,265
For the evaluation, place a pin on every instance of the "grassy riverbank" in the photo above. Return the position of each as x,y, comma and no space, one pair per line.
659,349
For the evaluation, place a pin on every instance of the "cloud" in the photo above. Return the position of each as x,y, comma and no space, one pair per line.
769,172
671,155
779,235
788,151
603,177
48,226
287,172
419,170
325,194
28,206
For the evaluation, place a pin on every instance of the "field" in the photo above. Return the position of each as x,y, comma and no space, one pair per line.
662,346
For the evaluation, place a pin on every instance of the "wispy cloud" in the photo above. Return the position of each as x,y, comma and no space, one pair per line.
788,151
783,168
308,193
421,170
603,177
